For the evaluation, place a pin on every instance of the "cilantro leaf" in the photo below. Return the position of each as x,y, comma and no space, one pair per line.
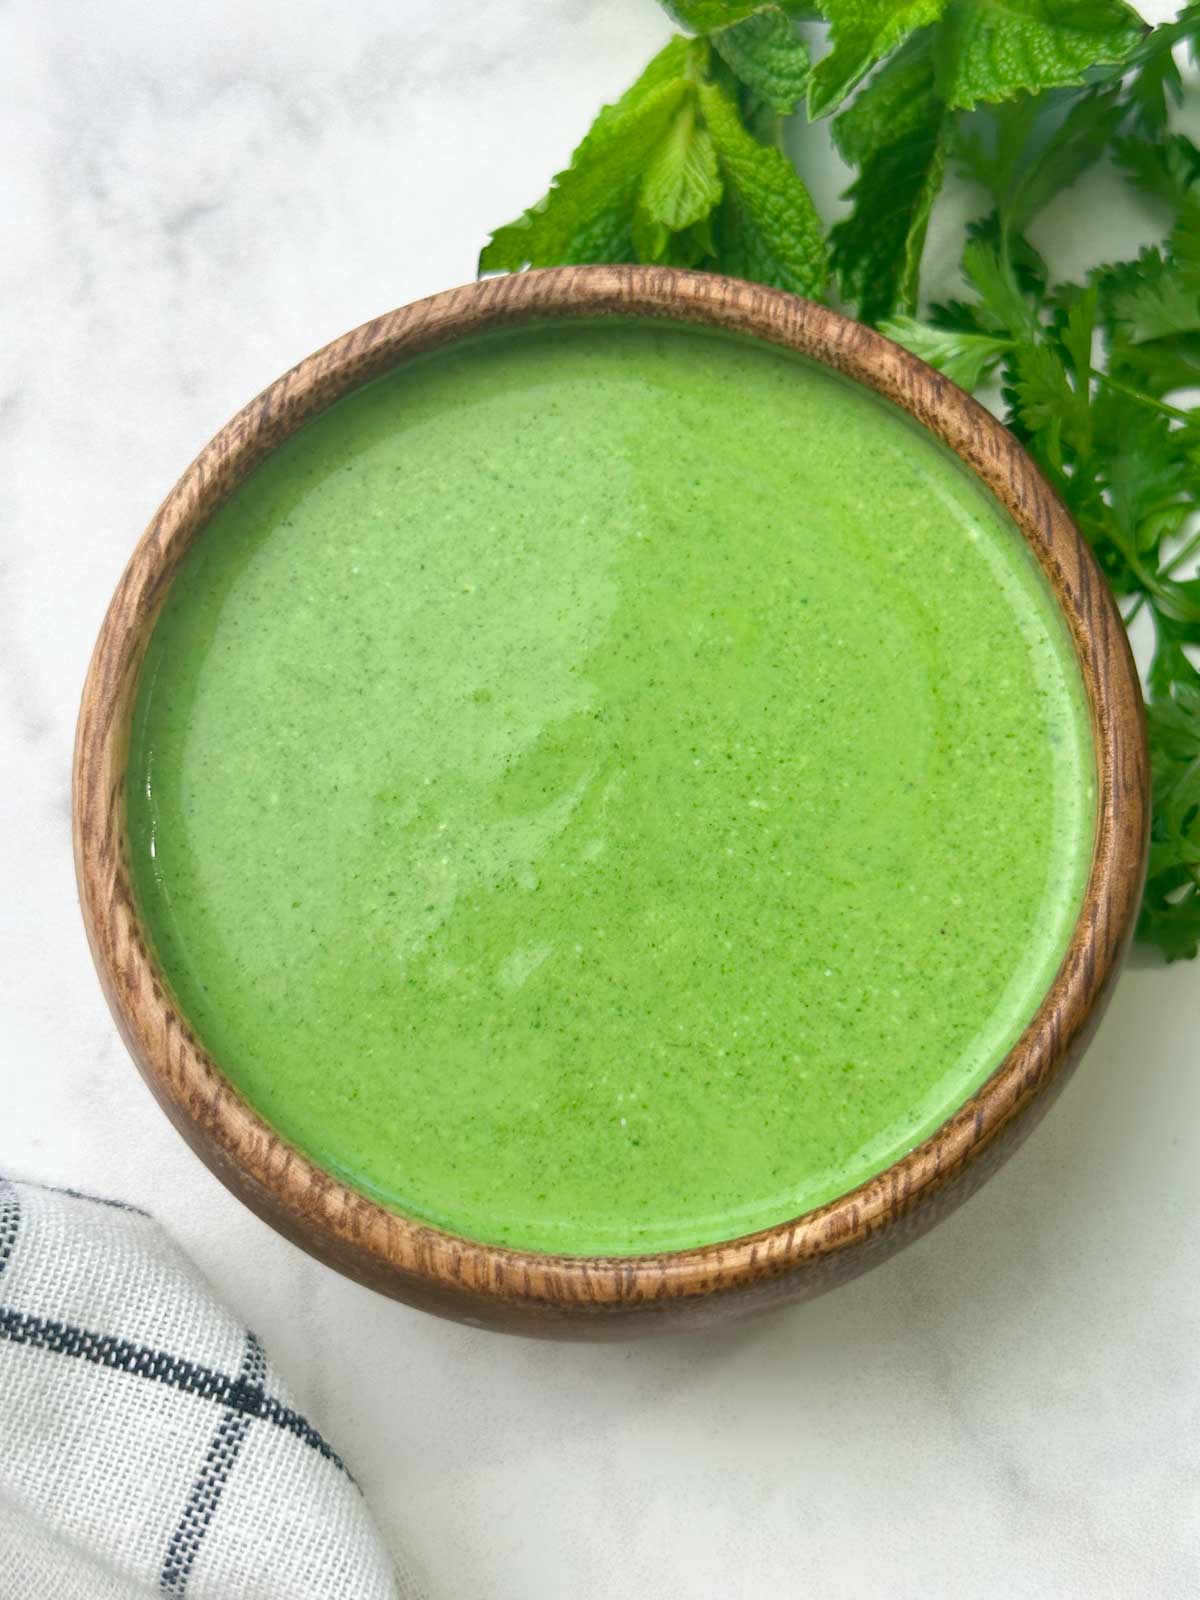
992,49
1030,148
1151,298
964,356
1047,410
765,52
1077,330
1171,906
1155,82
1003,304
1024,95
863,32
1161,366
1154,87
1183,245
1167,170
768,228
1146,477
1171,920
588,213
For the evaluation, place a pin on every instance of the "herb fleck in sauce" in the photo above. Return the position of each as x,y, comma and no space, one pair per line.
610,788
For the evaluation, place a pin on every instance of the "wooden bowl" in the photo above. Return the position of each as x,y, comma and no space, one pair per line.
561,1295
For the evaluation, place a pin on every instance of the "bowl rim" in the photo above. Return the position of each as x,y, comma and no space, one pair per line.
403,1255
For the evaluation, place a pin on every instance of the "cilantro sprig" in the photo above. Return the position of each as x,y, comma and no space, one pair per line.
1019,99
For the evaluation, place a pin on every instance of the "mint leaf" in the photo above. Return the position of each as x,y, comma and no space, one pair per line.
768,228
876,251
1025,94
992,49
863,33
897,129
898,101
705,16
670,64
690,247
709,16
680,187
965,357
766,53
588,213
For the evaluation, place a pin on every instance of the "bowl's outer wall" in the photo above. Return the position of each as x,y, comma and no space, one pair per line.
519,1309
562,1296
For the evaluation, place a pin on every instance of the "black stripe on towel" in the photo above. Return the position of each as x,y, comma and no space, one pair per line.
219,1458
92,1199
189,1377
10,1220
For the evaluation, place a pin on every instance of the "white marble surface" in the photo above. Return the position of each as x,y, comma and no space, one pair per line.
193,197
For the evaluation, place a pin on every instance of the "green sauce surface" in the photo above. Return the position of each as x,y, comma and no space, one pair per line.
609,788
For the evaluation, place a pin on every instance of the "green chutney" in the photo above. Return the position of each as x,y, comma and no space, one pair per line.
609,788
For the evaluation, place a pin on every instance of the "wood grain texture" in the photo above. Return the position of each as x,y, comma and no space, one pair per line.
595,1297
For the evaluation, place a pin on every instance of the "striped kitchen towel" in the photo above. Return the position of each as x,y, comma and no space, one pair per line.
147,1445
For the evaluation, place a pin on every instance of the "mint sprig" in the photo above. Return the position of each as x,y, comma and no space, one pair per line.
768,228
1020,98
588,213
989,50
768,56
685,167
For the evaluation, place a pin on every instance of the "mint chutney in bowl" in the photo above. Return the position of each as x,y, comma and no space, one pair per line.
607,796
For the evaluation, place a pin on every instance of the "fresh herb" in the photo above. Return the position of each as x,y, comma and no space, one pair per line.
1020,99
687,168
